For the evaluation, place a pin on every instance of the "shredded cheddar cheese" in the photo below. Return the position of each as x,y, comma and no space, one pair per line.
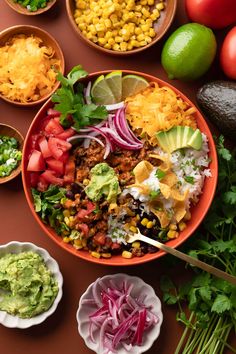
27,69
157,108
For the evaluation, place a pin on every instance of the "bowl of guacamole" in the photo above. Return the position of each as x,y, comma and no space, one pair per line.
30,284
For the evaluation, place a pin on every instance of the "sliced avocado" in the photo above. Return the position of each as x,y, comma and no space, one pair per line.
196,140
179,137
163,141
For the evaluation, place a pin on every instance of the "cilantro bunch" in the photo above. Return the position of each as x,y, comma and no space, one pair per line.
210,300
69,99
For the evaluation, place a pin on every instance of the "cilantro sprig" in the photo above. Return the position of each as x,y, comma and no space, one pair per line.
210,300
70,103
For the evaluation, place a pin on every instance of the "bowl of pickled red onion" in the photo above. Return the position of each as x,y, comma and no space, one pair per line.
119,314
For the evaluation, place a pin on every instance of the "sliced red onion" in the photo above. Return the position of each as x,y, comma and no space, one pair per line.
119,141
82,136
87,95
115,106
123,128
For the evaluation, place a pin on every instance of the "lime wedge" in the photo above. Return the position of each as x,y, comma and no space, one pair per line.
132,84
101,92
114,81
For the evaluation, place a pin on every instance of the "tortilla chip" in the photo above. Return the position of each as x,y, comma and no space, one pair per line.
142,171
162,217
179,211
165,165
165,190
176,195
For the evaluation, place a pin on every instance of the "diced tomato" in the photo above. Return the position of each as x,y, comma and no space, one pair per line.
53,113
43,145
69,175
90,206
42,185
36,162
115,246
84,228
49,176
64,157
34,178
82,213
66,134
108,242
53,127
58,147
44,121
99,239
55,165
34,142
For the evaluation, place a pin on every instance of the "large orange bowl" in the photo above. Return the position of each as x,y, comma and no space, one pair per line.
198,212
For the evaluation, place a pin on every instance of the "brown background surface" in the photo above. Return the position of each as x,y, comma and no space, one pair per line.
58,334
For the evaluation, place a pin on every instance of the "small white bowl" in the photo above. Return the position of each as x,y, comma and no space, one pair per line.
140,287
10,321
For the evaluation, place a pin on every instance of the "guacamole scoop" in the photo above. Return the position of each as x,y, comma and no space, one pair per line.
103,183
27,286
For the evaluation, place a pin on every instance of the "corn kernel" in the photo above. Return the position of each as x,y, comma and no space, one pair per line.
182,225
108,23
133,228
95,254
149,225
85,182
111,41
136,244
152,32
106,255
67,221
116,46
127,254
160,6
66,212
140,37
102,41
138,217
84,242
118,39
138,30
78,243
151,2
107,46
144,221
66,239
187,216
173,227
172,234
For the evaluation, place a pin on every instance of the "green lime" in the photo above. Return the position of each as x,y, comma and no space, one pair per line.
114,81
189,52
132,84
101,92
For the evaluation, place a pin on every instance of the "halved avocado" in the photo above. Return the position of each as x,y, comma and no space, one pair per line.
179,137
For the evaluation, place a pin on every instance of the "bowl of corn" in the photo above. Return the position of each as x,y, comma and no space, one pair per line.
120,27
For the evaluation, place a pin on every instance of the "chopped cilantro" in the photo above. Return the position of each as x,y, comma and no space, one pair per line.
69,101
154,194
160,174
189,179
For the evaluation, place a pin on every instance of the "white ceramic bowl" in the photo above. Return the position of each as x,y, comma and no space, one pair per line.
17,247
140,287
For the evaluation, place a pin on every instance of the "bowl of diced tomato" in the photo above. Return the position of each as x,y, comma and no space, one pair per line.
66,157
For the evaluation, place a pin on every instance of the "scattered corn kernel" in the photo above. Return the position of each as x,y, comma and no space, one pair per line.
66,212
66,239
172,234
95,254
173,227
67,220
133,228
181,225
187,216
136,244
144,221
85,182
122,18
149,225
106,255
127,254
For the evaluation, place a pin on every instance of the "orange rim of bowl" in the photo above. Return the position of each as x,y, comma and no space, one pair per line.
198,212
116,52
35,30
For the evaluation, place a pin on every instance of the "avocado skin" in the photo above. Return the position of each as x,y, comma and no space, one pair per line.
217,100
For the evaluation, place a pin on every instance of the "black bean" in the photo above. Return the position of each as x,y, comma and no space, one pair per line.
152,249
75,188
70,194
57,206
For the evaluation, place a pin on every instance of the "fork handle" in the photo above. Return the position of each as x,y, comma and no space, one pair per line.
202,265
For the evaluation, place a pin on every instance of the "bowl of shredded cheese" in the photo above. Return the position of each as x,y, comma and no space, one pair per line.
121,27
30,59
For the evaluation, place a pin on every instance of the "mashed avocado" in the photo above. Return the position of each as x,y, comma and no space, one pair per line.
27,287
103,183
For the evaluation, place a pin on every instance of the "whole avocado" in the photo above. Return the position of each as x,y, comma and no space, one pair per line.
217,99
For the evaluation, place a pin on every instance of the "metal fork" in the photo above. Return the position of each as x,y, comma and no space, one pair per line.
202,265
